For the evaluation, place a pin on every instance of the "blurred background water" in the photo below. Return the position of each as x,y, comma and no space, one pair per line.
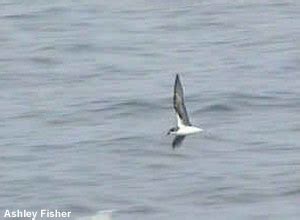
86,100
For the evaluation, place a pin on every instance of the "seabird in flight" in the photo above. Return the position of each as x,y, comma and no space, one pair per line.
184,126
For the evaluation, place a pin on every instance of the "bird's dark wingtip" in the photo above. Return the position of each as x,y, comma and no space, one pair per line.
177,78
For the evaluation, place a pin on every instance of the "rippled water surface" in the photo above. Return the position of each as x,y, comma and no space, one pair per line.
86,100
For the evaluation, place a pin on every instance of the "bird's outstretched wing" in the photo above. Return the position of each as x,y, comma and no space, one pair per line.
177,141
178,102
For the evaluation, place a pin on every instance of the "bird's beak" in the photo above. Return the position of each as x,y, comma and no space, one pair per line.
168,133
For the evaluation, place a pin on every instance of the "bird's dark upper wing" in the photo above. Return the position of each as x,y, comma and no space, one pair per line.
178,102
177,141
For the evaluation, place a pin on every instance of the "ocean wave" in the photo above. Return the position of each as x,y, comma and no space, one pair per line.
217,108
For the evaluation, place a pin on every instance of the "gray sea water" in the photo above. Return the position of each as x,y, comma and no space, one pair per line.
86,100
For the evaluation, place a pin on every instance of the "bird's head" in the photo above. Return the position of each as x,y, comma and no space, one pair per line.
172,130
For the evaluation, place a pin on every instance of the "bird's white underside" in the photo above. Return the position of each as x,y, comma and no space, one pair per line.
179,121
184,129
